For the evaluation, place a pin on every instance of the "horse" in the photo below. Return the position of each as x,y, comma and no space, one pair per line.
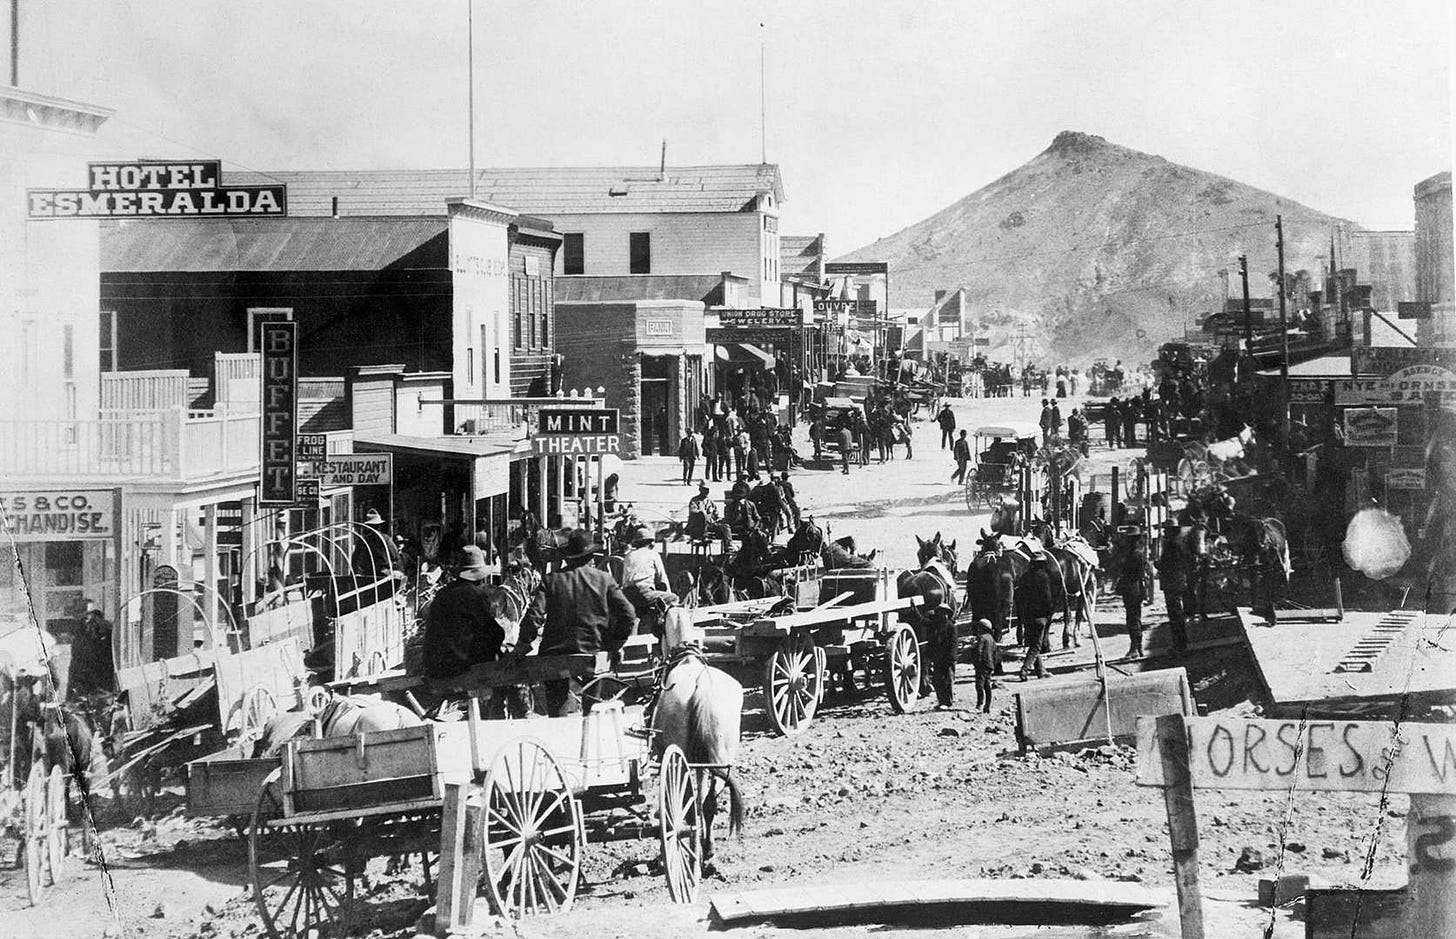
1076,563
990,583
342,716
699,709
935,584
1006,516
1261,545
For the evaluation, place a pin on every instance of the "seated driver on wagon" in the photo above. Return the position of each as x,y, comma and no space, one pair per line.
578,609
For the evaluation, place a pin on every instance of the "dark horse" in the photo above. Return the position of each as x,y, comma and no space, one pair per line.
934,619
1076,562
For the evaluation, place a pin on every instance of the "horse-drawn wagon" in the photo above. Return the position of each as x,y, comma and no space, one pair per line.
325,806
789,646
999,450
32,775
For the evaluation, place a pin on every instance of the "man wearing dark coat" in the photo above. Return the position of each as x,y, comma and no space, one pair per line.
1034,598
459,628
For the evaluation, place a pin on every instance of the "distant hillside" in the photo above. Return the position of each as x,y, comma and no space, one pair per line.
1090,242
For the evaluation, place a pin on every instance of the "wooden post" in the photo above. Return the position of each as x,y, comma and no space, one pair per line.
1431,855
1182,822
460,857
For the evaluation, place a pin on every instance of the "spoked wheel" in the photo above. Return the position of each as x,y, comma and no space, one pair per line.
37,826
973,494
533,831
317,698
302,884
791,681
258,708
376,664
680,813
902,668
57,830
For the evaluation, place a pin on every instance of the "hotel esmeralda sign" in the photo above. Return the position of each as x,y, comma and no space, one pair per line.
157,189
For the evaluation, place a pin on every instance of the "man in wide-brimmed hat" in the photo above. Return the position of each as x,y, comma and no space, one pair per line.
459,628
644,576
578,609
375,555
92,669
1034,599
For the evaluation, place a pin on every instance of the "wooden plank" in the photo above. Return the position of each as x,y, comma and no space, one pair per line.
782,624
1182,820
452,901
1343,913
277,668
523,671
1035,898
1315,756
1431,856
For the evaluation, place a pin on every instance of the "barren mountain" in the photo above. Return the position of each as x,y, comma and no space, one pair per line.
1090,242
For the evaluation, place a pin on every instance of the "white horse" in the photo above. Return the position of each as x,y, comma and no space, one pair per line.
700,709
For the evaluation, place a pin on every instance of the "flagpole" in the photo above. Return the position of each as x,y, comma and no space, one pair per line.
470,86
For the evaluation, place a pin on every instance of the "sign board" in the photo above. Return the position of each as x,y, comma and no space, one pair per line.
1313,756
764,318
1387,360
866,308
59,515
1418,384
307,491
857,267
1406,478
491,475
1413,309
279,467
351,469
576,444
759,337
658,327
578,421
1309,391
1361,391
313,446
1370,427
157,189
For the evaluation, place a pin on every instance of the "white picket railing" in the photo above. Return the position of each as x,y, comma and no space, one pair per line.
161,443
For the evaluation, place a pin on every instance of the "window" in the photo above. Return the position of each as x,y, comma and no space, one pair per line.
68,351
107,340
640,246
470,365
27,352
519,299
573,253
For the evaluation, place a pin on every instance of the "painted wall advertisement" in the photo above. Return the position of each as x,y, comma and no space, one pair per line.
765,318
1414,384
1370,427
1408,478
59,515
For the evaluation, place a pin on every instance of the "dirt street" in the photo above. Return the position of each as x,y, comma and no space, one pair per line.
862,795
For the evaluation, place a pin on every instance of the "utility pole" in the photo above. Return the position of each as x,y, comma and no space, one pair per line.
1283,321
15,43
470,85
1248,315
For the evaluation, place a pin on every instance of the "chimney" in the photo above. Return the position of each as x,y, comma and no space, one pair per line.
336,206
662,167
939,296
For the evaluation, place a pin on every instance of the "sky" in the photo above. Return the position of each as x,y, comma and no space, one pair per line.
879,113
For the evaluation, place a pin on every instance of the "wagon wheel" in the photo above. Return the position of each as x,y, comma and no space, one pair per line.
258,708
37,825
902,668
377,664
680,813
973,492
791,681
533,831
1193,473
309,891
58,834
316,699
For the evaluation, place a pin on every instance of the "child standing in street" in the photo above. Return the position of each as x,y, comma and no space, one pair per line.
984,655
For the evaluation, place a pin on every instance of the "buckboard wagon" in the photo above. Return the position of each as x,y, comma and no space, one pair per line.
851,630
544,786
32,790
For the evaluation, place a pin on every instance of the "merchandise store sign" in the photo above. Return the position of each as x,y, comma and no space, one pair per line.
766,318
1414,384
351,469
1370,427
157,189
279,467
58,515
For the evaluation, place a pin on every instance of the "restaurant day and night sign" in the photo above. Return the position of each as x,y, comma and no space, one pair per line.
157,189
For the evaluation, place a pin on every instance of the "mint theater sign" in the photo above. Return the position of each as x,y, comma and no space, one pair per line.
157,189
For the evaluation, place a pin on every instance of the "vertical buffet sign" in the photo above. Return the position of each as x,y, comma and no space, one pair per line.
279,467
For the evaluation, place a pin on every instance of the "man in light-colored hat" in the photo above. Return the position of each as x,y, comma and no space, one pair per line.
644,576
578,609
459,628
375,555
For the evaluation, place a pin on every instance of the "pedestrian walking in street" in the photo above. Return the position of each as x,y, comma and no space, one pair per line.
1034,597
940,652
1130,586
1047,422
962,454
687,454
710,454
1112,423
790,501
946,420
984,656
846,446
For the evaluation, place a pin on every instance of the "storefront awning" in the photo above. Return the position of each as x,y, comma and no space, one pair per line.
489,459
744,352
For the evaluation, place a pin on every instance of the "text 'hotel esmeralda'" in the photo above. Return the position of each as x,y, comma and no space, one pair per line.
157,189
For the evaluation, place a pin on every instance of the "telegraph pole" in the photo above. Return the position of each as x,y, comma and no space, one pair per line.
1283,320
470,87
1248,315
15,43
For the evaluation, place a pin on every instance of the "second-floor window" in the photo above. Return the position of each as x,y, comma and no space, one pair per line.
573,253
108,340
640,248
